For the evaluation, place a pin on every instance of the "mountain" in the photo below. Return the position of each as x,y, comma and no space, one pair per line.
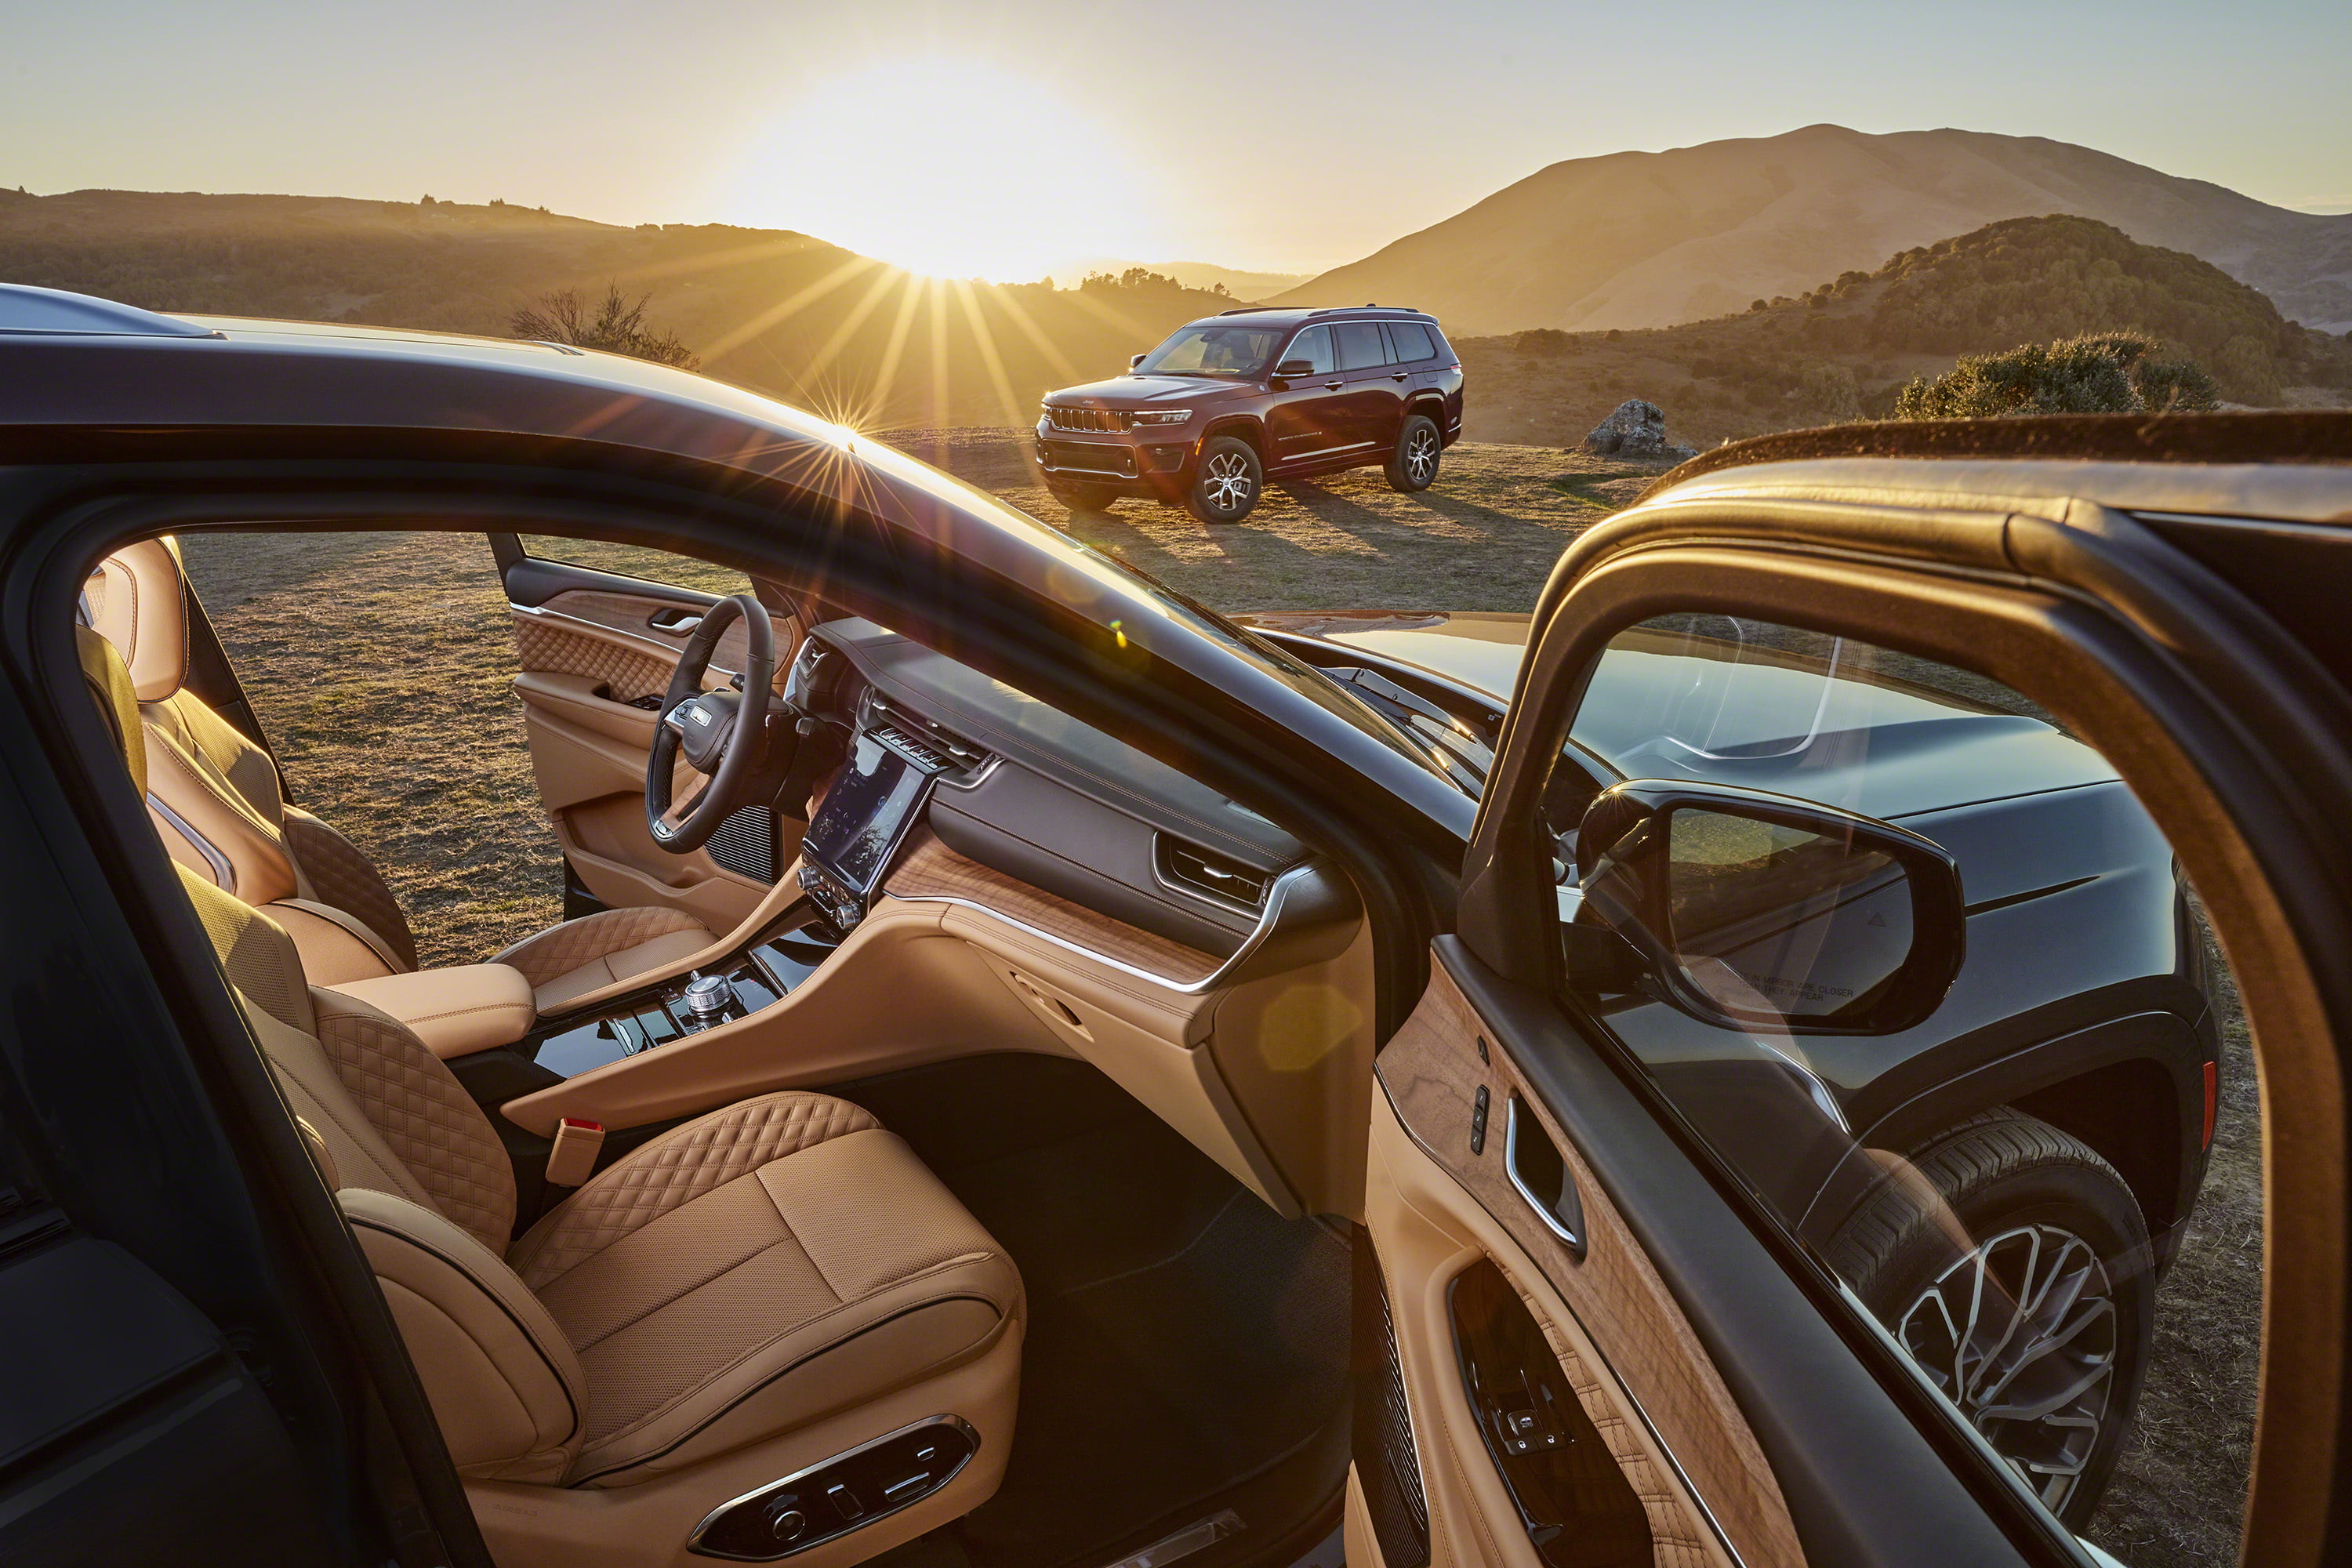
1842,349
1649,239
826,328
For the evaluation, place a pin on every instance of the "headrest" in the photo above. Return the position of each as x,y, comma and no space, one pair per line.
137,600
109,688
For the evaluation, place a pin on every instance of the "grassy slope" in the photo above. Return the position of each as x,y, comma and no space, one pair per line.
779,312
1797,363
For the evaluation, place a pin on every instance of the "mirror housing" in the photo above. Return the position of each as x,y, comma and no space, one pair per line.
1138,360
1294,369
1751,910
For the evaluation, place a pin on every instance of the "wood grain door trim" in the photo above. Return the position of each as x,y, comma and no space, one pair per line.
1430,1071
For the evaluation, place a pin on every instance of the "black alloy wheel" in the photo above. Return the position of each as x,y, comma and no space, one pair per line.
2021,1286
1412,466
1226,480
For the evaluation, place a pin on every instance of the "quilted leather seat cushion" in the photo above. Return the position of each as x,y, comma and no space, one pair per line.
754,1270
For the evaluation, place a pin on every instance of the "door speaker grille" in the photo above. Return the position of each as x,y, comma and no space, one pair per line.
1386,1464
745,843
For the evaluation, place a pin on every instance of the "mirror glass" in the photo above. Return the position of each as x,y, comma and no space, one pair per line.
1770,921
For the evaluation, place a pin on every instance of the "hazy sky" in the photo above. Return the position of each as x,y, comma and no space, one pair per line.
1008,140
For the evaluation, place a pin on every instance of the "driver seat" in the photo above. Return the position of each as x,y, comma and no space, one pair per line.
219,806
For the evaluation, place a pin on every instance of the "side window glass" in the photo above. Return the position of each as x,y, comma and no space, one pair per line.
1919,966
1361,347
636,561
1411,340
1313,346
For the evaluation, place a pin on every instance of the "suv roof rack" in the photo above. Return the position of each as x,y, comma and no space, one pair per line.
1325,311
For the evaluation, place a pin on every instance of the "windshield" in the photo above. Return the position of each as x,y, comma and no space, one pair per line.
1213,348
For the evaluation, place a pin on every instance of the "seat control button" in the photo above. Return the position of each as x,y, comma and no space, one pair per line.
845,1501
906,1486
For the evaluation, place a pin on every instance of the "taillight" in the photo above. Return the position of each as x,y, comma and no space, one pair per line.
2212,1093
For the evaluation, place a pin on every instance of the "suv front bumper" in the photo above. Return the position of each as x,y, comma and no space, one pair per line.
1155,463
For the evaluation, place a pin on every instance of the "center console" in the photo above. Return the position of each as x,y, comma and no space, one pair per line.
762,974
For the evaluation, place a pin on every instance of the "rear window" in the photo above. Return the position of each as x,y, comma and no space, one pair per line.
1360,345
1412,341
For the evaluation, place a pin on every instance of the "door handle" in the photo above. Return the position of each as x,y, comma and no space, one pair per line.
678,623
1333,385
1399,375
1541,1176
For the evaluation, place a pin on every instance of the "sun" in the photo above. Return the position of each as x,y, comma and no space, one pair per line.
953,168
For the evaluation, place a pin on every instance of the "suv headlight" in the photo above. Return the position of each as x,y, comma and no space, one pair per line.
1147,417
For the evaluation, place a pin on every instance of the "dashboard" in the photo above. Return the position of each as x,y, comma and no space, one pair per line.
1013,784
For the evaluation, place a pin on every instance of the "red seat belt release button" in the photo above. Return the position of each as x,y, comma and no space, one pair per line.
574,1157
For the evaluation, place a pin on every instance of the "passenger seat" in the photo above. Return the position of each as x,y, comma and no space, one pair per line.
748,1295
218,805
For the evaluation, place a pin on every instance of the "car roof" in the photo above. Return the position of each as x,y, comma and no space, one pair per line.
1289,316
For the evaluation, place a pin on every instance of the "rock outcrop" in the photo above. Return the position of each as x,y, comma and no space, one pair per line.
1637,430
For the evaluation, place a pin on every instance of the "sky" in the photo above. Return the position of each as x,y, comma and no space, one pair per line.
982,138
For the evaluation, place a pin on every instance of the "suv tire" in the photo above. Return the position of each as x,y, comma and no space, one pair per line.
1412,466
1225,481
2045,1212
1083,497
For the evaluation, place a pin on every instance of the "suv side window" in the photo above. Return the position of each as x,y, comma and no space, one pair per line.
637,560
1313,346
2066,1244
1412,343
1361,347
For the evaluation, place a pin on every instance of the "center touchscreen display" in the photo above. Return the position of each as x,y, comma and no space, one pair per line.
865,812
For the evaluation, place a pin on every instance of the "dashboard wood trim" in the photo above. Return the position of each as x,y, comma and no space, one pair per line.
930,871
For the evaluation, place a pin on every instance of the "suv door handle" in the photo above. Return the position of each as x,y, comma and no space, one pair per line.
1399,375
1541,1176
678,623
1333,385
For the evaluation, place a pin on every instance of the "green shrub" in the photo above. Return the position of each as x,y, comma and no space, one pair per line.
2105,373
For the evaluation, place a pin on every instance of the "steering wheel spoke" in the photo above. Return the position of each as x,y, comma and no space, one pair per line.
718,734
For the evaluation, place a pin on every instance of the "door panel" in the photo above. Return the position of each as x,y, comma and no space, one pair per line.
1307,418
1436,1209
595,651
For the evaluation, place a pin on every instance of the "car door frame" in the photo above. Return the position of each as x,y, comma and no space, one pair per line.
1374,399
1315,404
2247,772
590,729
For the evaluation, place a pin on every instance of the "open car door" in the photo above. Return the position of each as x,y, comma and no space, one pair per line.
598,632
1793,1141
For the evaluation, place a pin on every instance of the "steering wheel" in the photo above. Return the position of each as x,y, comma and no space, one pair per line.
719,731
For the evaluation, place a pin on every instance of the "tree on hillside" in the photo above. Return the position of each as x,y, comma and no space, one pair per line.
2105,373
617,326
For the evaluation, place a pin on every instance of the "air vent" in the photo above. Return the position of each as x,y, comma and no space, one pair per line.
928,743
1212,876
745,843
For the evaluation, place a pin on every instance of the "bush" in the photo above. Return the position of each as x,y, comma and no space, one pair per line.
618,327
2107,373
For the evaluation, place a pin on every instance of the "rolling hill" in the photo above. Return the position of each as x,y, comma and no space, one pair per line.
779,312
1650,239
1842,351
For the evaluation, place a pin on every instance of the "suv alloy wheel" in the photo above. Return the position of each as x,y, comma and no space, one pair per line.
1412,466
1226,482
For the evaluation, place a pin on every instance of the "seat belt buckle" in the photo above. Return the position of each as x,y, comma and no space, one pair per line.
573,1158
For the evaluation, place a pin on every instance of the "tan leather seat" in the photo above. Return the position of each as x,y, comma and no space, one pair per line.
664,1332
219,806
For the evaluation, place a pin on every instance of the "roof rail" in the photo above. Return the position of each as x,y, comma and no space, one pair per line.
1327,309
1251,310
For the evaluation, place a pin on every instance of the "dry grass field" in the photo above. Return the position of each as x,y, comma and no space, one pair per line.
379,664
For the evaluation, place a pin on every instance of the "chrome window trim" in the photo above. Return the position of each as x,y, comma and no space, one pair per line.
1215,978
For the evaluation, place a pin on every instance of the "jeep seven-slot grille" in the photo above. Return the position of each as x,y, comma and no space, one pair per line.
1096,419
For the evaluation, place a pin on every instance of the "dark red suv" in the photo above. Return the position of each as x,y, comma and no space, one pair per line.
1230,401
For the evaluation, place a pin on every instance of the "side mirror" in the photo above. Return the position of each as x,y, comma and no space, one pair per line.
1754,910
1135,361
1295,369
